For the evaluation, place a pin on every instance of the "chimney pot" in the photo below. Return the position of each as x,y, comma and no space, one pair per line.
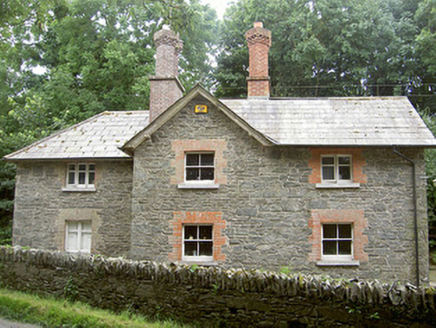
258,24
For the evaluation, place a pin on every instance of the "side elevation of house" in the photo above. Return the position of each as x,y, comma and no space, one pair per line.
322,185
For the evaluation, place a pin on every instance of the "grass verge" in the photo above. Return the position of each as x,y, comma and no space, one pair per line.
51,312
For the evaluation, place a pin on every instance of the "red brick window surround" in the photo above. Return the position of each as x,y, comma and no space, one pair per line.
205,146
194,219
357,164
358,222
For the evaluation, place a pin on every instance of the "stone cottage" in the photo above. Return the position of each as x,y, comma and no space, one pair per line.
322,185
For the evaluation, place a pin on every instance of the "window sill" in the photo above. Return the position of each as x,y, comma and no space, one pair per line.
337,185
77,189
199,263
337,263
198,185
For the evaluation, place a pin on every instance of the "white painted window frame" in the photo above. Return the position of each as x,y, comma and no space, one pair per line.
199,184
76,186
336,182
337,257
336,167
79,235
198,258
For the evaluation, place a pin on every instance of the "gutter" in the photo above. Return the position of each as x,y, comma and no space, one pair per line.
415,211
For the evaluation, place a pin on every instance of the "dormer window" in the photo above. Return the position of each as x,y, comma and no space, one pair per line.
80,177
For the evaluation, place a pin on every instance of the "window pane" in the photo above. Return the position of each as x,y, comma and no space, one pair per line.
192,174
206,248
91,177
82,167
329,230
72,241
207,159
344,231
190,248
190,232
86,226
205,232
71,176
86,242
328,160
328,173
344,247
92,167
82,176
344,173
71,167
72,226
344,160
329,247
192,159
207,174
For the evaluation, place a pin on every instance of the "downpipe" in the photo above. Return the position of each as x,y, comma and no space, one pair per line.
415,211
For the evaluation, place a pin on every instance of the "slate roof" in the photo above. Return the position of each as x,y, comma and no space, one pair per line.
356,121
98,137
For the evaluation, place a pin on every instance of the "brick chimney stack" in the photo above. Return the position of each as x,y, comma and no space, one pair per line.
165,87
259,42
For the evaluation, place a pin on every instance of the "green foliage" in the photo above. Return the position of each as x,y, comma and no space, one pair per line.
287,270
49,312
430,160
215,289
71,292
92,55
325,47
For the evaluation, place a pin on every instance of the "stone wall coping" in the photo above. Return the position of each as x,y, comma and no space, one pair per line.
249,281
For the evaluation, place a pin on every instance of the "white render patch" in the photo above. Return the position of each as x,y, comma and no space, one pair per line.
354,121
98,137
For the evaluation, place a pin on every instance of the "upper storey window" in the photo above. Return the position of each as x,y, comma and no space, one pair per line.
199,164
200,167
336,169
80,177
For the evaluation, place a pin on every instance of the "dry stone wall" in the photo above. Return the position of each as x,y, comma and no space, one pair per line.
217,297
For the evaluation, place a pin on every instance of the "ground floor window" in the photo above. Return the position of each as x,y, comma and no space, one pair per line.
78,236
338,237
337,241
198,242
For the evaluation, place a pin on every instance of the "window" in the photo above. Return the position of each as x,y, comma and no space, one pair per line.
336,168
199,167
197,243
81,176
199,164
78,236
337,241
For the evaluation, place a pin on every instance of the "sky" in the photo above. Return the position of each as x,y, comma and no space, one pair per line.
219,5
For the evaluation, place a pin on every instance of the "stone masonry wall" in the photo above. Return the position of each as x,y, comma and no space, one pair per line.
267,202
217,298
41,207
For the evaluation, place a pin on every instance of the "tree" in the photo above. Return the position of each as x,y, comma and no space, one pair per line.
95,55
323,47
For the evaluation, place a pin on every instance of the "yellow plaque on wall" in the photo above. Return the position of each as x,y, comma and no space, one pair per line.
200,109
